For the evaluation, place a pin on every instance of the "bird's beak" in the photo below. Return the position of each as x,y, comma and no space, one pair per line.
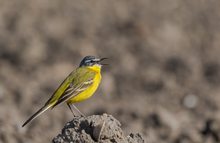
102,59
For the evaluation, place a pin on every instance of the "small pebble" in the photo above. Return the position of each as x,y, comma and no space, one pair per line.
190,101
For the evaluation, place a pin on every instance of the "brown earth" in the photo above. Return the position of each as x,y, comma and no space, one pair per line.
97,128
162,82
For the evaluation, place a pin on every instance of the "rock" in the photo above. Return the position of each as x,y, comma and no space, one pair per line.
135,138
96,128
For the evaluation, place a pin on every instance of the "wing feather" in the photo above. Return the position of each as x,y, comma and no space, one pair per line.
79,84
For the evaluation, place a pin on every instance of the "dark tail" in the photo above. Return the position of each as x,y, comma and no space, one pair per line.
38,113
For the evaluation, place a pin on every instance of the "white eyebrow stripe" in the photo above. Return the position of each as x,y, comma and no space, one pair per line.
87,61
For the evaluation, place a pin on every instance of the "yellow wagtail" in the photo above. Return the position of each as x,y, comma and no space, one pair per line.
78,86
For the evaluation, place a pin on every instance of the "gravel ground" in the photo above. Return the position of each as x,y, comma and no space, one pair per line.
162,82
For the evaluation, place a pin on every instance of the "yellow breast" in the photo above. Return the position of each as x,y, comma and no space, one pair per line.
90,90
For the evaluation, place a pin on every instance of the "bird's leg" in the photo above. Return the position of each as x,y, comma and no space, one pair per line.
70,108
77,110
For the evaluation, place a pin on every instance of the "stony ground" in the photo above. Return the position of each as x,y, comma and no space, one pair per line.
162,82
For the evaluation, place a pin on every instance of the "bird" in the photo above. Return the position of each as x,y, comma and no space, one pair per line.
78,86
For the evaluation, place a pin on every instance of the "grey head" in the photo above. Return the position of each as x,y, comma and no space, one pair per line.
90,61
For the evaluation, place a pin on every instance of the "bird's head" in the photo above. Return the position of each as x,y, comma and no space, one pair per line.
91,60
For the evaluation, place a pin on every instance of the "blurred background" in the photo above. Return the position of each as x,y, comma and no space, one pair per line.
163,80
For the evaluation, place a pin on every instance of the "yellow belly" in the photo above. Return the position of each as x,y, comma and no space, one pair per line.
88,92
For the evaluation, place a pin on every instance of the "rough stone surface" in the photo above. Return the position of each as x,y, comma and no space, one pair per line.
96,128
